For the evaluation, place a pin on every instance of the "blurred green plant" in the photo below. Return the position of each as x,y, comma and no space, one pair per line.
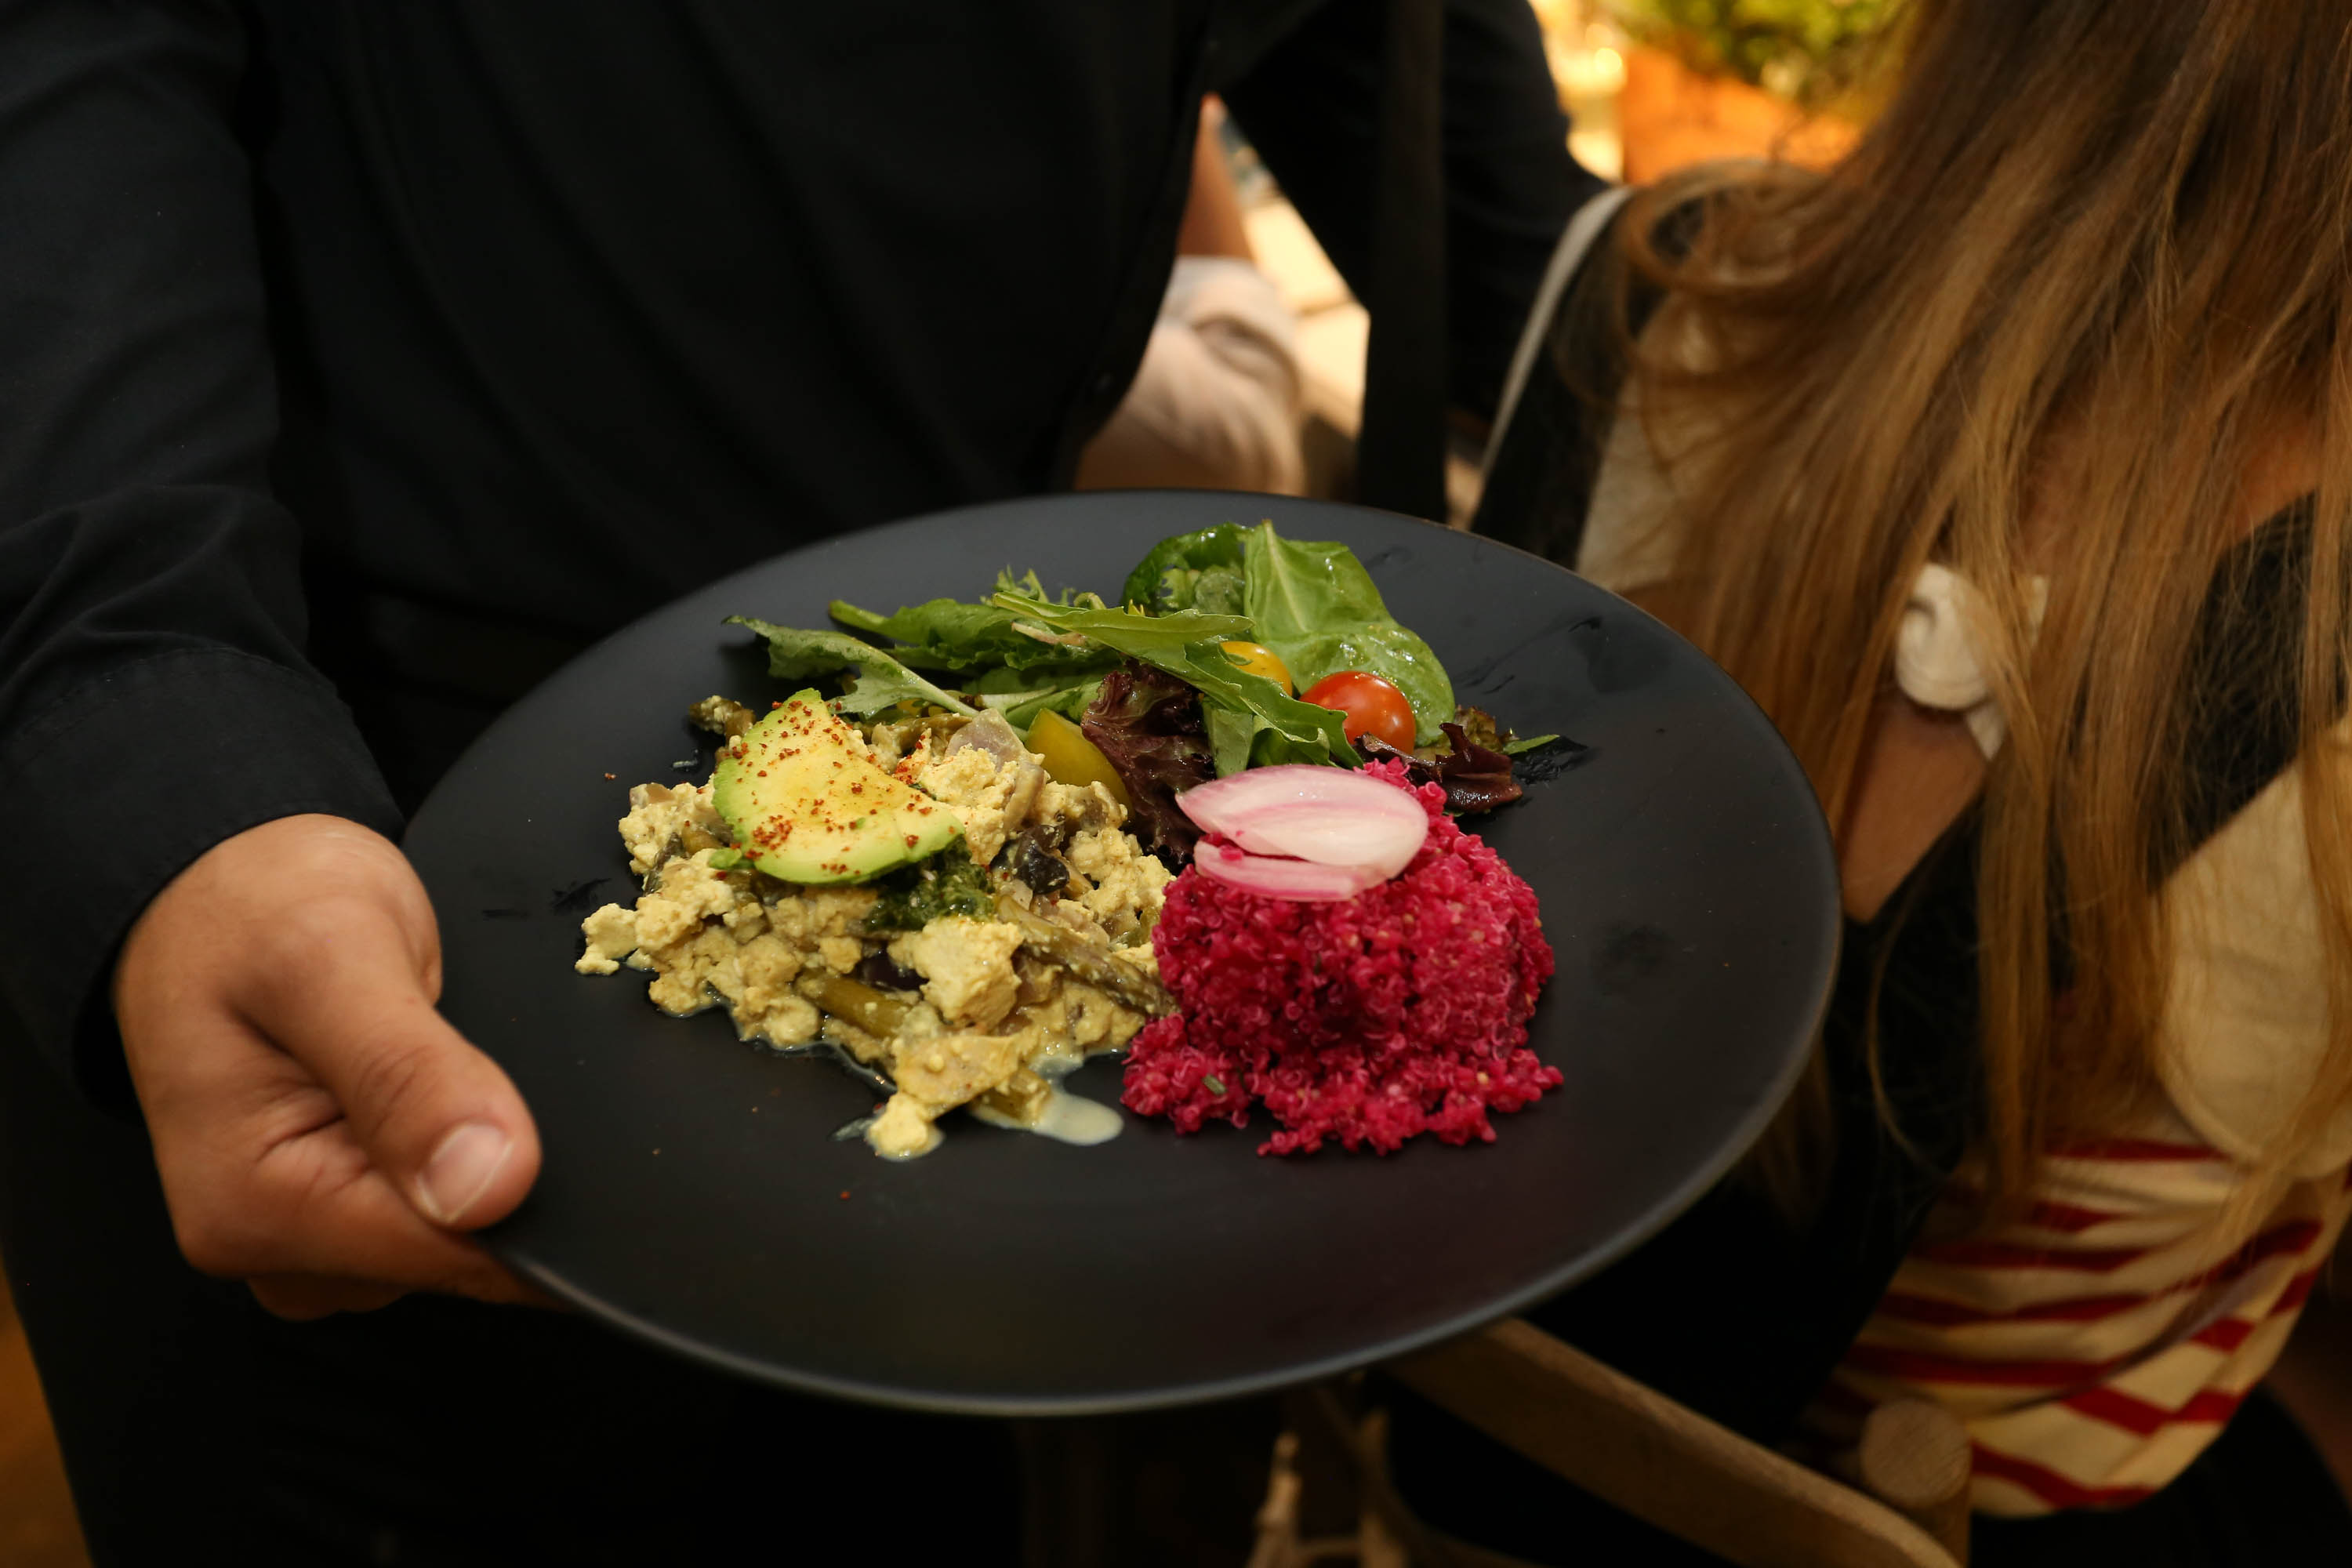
1809,51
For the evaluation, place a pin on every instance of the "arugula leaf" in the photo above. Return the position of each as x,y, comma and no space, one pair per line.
1280,728
1130,632
1532,743
1315,606
1026,584
952,635
1200,570
1251,719
1231,731
1021,696
1271,745
940,634
881,681
1070,701
1003,682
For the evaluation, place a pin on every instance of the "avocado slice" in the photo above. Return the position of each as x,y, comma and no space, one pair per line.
806,803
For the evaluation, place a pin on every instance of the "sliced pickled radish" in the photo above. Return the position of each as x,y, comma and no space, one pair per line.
1331,816
1385,844
1299,881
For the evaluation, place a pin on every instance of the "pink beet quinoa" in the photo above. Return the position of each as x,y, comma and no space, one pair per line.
1401,1010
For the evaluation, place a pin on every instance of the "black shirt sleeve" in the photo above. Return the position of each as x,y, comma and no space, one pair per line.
1310,104
153,694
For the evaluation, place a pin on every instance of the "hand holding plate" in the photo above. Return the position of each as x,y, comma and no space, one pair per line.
321,1131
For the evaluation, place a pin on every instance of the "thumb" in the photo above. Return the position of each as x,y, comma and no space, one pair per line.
440,1121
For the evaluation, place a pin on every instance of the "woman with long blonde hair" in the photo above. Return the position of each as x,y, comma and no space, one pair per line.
2009,466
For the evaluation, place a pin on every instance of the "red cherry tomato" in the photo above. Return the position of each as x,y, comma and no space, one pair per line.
1373,706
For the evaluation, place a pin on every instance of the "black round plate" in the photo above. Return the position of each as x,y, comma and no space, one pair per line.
694,1192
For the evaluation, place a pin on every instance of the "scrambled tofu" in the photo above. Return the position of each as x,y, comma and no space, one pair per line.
1045,958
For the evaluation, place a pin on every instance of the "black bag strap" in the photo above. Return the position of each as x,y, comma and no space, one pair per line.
1547,456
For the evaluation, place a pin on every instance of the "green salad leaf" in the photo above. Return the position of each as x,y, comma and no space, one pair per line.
950,636
1127,631
1252,721
1220,590
1020,699
1315,606
1023,654
1197,571
940,634
880,682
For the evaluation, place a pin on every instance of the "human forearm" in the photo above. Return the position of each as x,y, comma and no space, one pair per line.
154,698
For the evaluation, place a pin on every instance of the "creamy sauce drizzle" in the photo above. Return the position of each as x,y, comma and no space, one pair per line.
1066,1118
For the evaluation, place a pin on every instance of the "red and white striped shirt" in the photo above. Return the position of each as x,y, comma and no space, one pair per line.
2093,1347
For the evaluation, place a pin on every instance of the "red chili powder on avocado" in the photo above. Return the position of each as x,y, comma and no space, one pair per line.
1400,1011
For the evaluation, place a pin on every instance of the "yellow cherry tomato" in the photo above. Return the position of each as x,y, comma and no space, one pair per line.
1259,659
1071,759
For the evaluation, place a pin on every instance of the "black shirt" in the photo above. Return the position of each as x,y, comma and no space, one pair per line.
415,345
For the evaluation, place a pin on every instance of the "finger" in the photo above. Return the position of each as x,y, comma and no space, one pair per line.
438,1118
530,1295
264,1176
328,1212
301,1297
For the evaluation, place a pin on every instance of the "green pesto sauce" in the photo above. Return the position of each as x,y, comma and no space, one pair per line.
946,884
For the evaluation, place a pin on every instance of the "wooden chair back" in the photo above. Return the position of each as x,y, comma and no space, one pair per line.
1671,1466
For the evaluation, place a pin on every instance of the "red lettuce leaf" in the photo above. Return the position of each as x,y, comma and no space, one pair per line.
1476,778
1148,725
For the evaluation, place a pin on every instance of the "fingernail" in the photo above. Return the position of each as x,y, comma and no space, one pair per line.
461,1170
